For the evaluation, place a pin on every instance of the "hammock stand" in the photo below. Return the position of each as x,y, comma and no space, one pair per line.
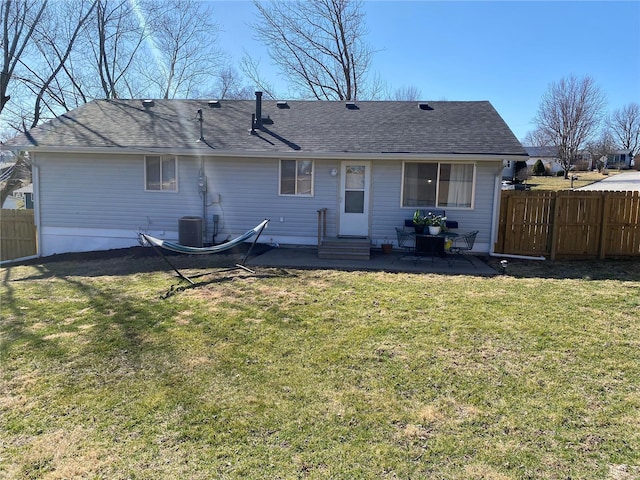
158,244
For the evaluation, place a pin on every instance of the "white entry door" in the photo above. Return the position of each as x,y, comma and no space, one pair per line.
355,178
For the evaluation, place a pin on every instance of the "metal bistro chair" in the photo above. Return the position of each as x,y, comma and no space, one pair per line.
461,244
406,241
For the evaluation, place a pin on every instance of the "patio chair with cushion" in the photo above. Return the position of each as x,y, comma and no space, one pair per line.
462,244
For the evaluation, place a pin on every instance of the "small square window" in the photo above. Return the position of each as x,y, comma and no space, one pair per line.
296,177
161,173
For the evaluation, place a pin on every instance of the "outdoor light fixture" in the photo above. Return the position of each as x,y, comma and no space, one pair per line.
334,172
503,265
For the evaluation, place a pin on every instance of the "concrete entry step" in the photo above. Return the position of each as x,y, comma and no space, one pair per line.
338,248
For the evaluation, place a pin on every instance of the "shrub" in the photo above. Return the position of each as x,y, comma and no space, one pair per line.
538,168
521,172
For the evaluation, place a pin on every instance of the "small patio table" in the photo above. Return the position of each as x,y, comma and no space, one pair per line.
431,245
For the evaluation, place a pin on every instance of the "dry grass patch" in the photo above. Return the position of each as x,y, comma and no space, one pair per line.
560,183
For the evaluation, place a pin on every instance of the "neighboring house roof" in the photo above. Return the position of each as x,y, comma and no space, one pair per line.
25,189
542,151
314,127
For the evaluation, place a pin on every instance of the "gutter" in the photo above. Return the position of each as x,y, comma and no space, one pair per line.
35,180
316,155
494,223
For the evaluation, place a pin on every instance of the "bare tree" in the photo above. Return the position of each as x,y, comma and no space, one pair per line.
601,146
59,55
537,138
410,92
114,40
625,127
19,20
55,45
569,113
41,83
183,47
251,68
318,45
229,86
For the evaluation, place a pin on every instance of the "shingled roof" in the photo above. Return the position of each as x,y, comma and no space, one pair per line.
542,151
312,127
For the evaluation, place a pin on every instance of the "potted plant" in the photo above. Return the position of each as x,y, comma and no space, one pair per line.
435,223
419,222
387,246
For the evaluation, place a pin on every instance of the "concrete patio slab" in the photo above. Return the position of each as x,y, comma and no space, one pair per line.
307,258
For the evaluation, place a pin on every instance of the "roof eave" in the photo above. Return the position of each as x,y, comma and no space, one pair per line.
275,154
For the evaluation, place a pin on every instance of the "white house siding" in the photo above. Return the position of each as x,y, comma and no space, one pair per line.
388,213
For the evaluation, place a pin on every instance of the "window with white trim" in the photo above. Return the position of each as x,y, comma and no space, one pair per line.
431,184
296,177
161,173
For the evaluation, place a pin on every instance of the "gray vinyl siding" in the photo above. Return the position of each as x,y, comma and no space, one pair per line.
105,192
108,193
388,212
249,192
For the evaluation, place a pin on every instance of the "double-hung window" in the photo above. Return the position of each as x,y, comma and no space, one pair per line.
296,177
161,173
434,184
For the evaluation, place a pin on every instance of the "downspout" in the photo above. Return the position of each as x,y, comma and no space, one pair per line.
35,179
203,178
202,181
494,222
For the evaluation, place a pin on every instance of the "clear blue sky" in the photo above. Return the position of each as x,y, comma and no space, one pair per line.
507,52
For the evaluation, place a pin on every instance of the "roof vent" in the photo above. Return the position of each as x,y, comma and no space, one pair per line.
147,103
282,104
214,103
425,106
351,106
267,120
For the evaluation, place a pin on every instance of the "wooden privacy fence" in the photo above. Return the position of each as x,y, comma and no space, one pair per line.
17,234
569,224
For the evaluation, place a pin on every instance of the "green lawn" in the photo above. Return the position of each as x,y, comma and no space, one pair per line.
113,369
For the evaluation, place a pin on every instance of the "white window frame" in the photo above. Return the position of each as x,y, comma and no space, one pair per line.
162,159
296,193
437,193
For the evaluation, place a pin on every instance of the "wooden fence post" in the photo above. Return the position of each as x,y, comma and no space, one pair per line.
604,209
554,225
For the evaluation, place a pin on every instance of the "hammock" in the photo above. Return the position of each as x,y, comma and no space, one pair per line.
178,248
